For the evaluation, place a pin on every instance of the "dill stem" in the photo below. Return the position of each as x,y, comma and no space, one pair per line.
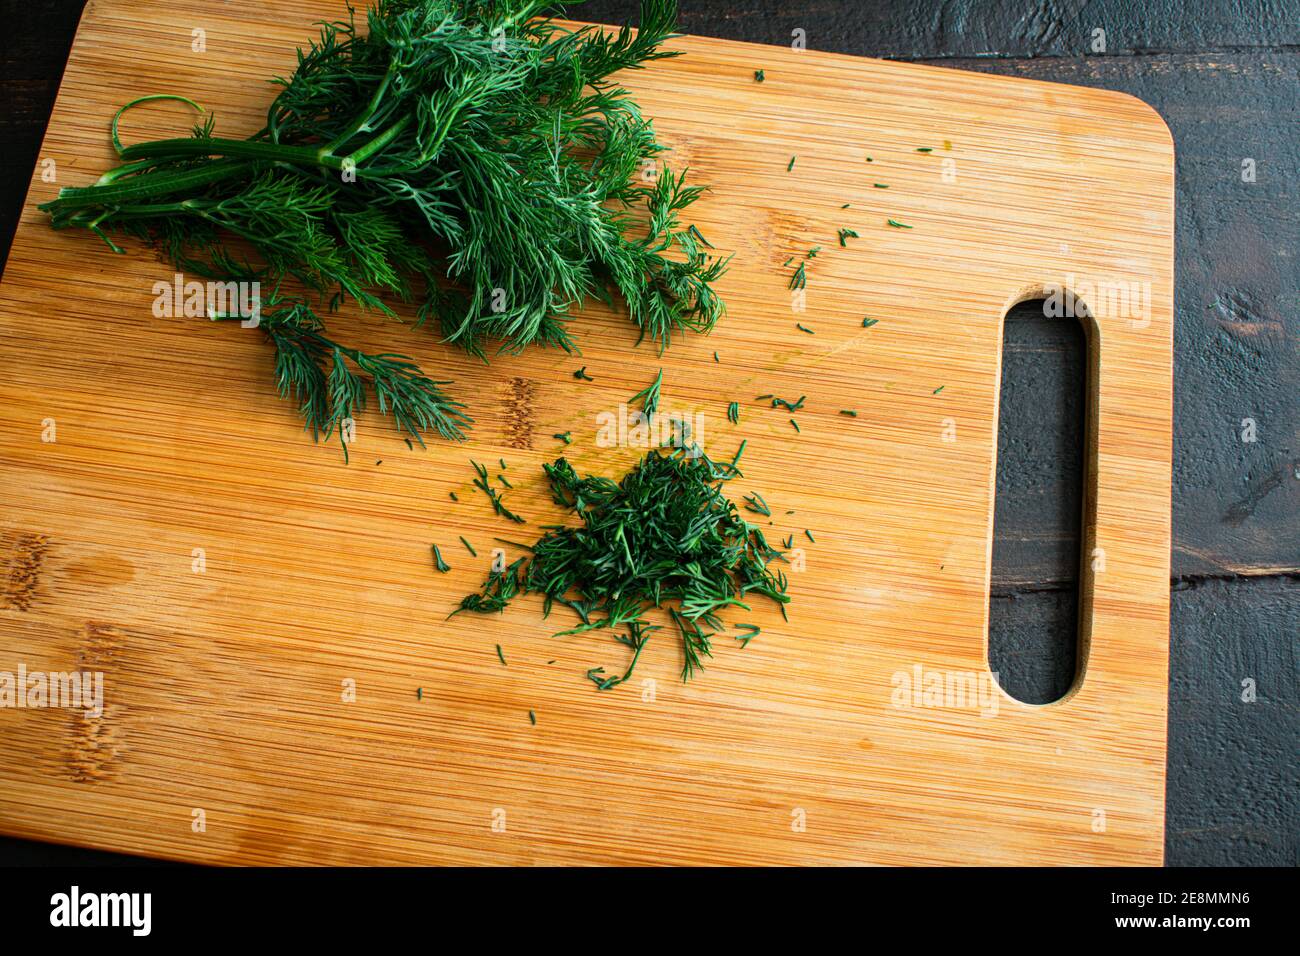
144,187
241,148
362,123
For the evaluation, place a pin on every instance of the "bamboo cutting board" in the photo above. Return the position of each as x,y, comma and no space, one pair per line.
263,614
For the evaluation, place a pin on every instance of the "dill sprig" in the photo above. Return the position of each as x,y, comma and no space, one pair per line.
477,160
799,279
481,482
638,633
663,536
330,381
649,397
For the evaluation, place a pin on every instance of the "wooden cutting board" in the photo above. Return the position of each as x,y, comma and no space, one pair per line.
238,587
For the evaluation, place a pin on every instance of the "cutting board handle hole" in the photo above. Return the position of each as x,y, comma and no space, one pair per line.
1034,643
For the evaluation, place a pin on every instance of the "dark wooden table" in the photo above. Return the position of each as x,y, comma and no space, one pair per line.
1226,77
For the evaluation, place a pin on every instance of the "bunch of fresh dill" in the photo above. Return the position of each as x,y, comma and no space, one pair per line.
665,533
473,157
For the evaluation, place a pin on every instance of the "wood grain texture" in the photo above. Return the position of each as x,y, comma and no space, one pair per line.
223,689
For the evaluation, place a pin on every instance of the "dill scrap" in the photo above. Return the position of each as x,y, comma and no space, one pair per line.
785,403
442,566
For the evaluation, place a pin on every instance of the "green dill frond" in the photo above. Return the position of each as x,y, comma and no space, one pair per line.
477,159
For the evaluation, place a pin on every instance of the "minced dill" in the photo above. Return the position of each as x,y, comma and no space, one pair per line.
665,535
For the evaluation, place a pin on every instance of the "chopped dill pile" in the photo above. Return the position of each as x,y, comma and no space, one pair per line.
477,160
663,536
